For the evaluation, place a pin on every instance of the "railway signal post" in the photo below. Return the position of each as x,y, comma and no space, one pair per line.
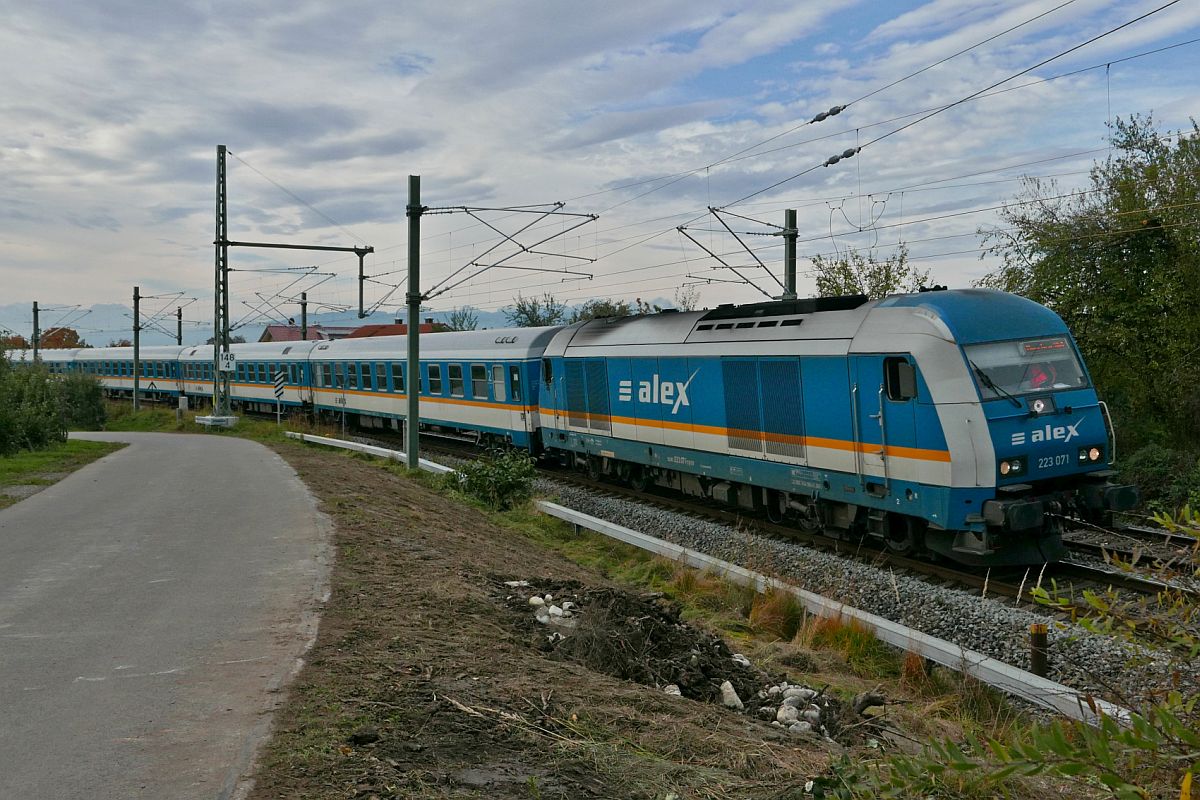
280,378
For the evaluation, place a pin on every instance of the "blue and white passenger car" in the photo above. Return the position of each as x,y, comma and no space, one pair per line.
961,422
480,384
113,367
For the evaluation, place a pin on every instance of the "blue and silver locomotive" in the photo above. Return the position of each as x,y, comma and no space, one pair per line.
958,422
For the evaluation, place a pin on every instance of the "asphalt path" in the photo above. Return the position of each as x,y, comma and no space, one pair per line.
152,605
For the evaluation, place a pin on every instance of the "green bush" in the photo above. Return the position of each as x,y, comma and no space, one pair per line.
81,401
36,407
502,479
1167,478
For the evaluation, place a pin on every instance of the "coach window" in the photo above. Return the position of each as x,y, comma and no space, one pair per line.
498,383
339,375
456,380
514,382
397,377
479,381
381,376
435,378
352,375
900,377
366,375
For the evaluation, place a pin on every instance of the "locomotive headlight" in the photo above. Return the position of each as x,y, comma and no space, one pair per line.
1087,454
1094,454
1012,466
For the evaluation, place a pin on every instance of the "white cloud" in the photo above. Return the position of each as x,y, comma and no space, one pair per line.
113,112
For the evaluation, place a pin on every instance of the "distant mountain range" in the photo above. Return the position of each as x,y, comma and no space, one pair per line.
104,323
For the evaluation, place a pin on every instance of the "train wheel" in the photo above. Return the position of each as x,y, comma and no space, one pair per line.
638,479
594,471
903,535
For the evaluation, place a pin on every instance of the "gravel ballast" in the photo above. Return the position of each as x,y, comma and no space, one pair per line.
1078,658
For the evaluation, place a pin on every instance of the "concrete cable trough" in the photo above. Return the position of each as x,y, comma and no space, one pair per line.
1043,692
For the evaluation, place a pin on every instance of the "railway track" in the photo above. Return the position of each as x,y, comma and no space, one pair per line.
1067,582
1131,543
1069,579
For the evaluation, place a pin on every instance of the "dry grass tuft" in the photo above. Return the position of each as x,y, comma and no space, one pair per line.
777,612
914,671
865,655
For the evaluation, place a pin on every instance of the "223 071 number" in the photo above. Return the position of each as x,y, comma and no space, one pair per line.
1053,461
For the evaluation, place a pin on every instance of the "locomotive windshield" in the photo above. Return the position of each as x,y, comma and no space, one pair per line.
1004,369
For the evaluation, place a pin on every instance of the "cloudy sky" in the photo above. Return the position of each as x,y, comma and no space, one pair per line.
643,113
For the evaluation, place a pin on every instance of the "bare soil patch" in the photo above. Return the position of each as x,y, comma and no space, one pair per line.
431,677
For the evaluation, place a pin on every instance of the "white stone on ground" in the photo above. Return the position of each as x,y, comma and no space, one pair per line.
729,696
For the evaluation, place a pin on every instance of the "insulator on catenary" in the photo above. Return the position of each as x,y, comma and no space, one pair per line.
847,153
824,115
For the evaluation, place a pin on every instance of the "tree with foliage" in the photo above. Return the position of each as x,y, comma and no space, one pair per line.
646,307
855,273
687,298
239,339
61,339
126,343
1119,261
602,308
535,312
463,319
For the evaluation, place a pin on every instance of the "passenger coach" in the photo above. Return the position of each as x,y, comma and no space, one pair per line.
477,384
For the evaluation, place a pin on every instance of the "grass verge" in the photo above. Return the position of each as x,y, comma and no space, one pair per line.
26,472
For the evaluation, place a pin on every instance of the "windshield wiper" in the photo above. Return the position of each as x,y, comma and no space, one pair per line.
987,381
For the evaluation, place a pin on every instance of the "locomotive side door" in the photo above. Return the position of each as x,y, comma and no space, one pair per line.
883,394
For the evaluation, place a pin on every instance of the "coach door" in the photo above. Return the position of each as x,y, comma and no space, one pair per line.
883,393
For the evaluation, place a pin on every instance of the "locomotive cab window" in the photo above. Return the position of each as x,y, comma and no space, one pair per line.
900,377
547,372
1025,366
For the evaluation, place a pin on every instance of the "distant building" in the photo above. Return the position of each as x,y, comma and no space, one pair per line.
396,328
316,333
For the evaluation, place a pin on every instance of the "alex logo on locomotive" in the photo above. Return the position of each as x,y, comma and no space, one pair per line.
1050,433
656,390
